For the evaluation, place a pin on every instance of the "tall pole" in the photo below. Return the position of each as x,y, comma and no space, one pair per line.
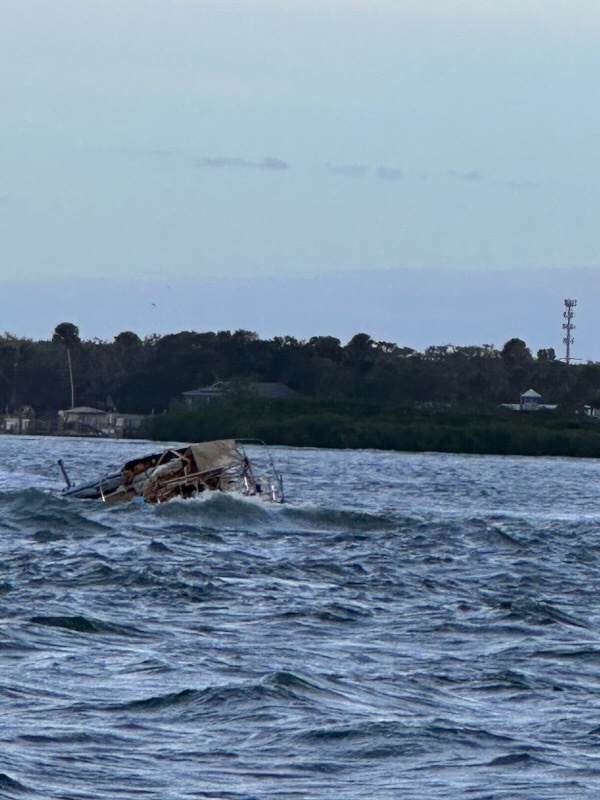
71,377
568,326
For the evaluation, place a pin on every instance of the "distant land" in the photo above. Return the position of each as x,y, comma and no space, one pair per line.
411,307
317,392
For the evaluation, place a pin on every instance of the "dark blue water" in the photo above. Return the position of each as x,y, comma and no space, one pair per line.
407,626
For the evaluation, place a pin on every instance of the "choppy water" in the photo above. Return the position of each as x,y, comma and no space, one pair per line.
407,626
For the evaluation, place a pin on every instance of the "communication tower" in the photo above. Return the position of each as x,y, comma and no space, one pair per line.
568,326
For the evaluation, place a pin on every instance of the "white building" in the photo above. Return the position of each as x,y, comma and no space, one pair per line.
530,401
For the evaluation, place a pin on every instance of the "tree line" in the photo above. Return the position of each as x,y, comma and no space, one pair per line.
303,422
147,375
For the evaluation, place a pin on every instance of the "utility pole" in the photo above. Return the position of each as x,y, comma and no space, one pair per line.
568,326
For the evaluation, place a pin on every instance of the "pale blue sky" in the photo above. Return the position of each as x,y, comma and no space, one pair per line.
152,139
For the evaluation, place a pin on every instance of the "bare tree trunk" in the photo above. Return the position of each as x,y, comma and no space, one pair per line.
71,378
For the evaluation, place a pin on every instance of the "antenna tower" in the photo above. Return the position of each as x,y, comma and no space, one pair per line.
568,326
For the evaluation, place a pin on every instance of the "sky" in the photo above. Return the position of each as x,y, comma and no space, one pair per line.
425,171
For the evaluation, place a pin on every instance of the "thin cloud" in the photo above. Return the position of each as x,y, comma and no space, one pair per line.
269,163
273,163
349,170
158,153
224,162
388,173
471,176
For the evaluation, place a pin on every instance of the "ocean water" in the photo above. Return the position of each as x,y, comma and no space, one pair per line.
406,626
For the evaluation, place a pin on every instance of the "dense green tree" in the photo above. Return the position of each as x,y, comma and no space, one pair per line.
359,353
10,352
437,352
515,353
128,340
326,347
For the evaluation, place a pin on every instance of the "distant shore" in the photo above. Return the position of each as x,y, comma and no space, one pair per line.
359,426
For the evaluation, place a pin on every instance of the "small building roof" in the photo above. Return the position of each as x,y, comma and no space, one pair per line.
83,410
531,393
206,391
265,389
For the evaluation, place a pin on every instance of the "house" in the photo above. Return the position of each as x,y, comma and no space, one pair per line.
265,389
95,422
82,419
21,422
204,395
122,426
530,401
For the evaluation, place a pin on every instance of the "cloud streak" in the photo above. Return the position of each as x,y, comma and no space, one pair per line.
388,173
382,173
275,164
470,176
356,171
224,162
475,176
269,163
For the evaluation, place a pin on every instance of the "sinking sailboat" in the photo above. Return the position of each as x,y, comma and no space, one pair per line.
222,465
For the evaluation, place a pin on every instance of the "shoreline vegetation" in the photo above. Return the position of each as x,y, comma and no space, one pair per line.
361,394
359,426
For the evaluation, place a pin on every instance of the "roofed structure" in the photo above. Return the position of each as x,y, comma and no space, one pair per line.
265,389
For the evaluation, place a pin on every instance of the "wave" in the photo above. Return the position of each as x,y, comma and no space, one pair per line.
224,508
54,516
8,784
517,760
209,698
320,518
403,738
331,612
542,613
273,694
78,623
50,516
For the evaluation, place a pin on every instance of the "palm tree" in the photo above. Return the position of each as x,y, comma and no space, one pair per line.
67,334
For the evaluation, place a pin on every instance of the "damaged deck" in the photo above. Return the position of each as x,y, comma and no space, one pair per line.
220,465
